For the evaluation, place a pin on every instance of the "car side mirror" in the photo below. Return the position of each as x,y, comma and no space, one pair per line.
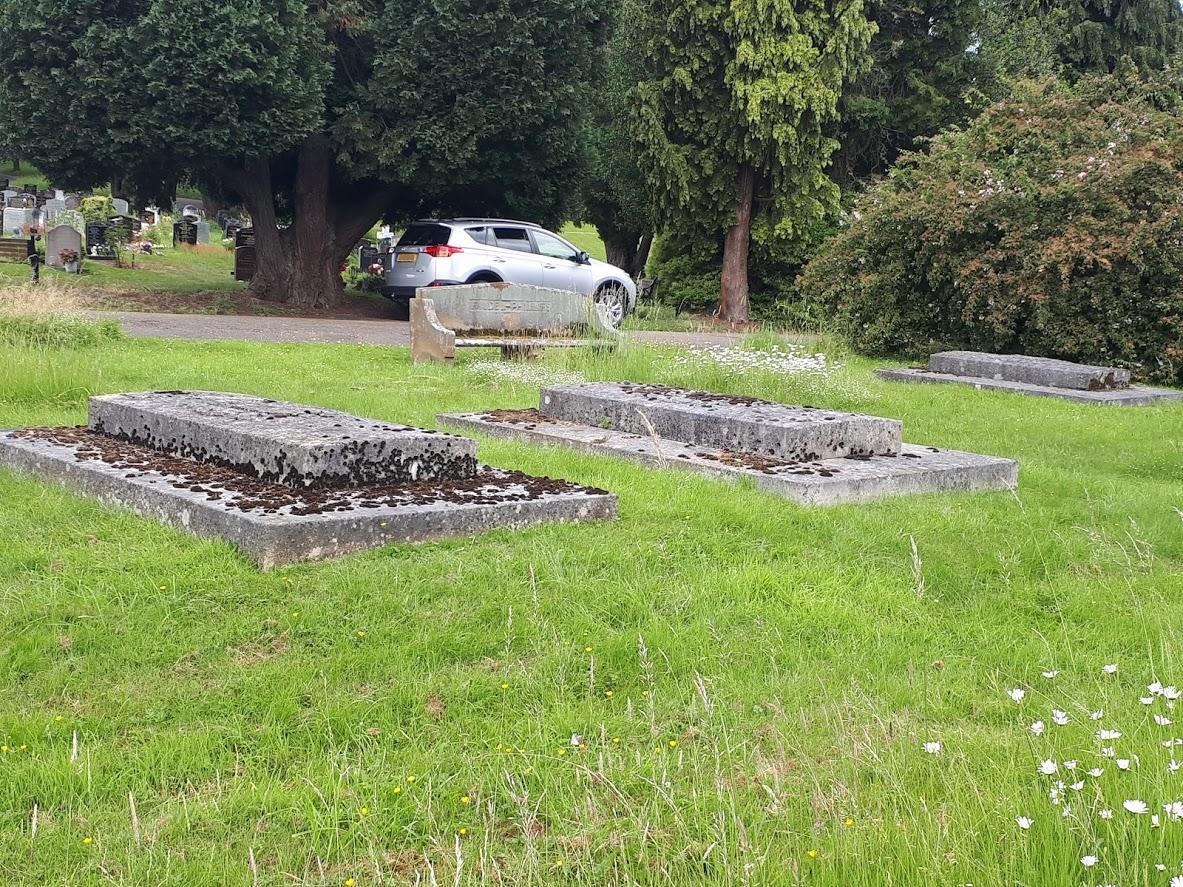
582,258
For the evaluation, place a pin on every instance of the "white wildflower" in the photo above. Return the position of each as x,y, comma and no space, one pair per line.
1037,728
1048,767
932,748
1059,718
1135,806
1017,694
1024,822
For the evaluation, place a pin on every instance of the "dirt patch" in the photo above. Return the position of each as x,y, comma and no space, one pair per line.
256,652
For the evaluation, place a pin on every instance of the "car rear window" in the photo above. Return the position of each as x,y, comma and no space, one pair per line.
480,235
425,235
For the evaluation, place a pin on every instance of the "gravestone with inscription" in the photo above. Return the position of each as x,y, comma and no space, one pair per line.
96,241
58,239
244,254
185,233
287,482
121,206
203,232
17,220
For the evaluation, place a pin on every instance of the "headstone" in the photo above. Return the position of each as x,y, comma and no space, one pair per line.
7,194
30,189
73,201
731,422
185,232
121,206
244,254
16,219
231,229
150,216
367,256
203,232
1032,370
189,211
3,184
288,482
281,442
131,224
52,209
96,241
23,201
61,238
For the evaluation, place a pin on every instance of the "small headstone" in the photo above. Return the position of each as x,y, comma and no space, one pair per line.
185,232
121,206
203,232
7,194
30,189
3,184
62,237
16,219
244,254
96,241
73,201
367,256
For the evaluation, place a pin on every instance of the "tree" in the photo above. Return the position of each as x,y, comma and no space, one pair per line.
321,117
616,197
731,105
923,78
1078,37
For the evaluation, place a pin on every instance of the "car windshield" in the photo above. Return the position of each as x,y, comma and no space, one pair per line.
425,235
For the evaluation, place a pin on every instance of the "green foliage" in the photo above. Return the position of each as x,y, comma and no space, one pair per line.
746,84
97,209
922,79
1049,227
1079,37
55,331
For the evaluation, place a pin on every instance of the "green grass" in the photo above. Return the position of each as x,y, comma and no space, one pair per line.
181,270
26,175
586,238
770,671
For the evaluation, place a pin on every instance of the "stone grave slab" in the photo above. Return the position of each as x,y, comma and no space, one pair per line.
740,424
1038,376
279,442
833,481
155,465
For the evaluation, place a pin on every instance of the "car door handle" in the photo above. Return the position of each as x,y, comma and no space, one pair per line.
500,261
550,267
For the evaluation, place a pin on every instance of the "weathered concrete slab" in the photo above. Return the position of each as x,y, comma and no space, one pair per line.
729,422
1044,371
281,442
1134,396
915,469
276,524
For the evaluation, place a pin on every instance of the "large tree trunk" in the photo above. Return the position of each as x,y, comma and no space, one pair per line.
300,264
628,250
733,296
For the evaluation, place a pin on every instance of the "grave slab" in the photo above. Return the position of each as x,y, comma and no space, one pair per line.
723,421
280,442
833,481
1043,371
276,524
1134,396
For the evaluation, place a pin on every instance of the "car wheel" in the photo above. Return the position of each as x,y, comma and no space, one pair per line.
484,278
612,297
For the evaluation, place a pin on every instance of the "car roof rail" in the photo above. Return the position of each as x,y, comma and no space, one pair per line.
468,219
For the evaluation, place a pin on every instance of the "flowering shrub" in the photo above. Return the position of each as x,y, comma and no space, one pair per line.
1051,226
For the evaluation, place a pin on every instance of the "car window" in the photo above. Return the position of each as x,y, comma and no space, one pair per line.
549,245
513,238
480,235
425,235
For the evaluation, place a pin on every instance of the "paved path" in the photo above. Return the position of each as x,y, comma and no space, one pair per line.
315,329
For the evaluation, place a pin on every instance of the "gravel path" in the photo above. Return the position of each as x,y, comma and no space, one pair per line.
309,329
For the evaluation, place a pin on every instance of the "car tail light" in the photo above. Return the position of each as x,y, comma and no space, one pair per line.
442,250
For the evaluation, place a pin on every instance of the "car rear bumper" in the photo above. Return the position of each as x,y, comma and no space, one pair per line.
408,292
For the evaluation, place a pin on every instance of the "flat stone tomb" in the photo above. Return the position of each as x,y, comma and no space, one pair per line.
739,424
286,482
1039,376
848,458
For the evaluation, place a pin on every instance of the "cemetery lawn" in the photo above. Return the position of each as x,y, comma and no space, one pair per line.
748,683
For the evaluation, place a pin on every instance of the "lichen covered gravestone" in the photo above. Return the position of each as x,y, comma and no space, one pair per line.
1040,376
285,481
814,456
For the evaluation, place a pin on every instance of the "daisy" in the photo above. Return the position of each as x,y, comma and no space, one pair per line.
1171,693
1049,674
1174,766
1110,669
1077,786
1155,688
1037,728
1070,765
1059,718
1024,822
1174,810
1088,861
1048,767
1106,813
1177,881
1123,763
1146,700
1109,751
1016,694
1096,771
1155,822
1162,721
932,748
1135,806
1106,735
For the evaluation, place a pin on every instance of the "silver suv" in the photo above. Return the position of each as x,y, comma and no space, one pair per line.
451,251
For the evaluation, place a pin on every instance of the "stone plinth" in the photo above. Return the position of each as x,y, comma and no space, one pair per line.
279,442
1042,371
726,422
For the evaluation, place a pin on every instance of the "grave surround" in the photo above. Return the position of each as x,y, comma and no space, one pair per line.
288,482
1038,376
810,455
